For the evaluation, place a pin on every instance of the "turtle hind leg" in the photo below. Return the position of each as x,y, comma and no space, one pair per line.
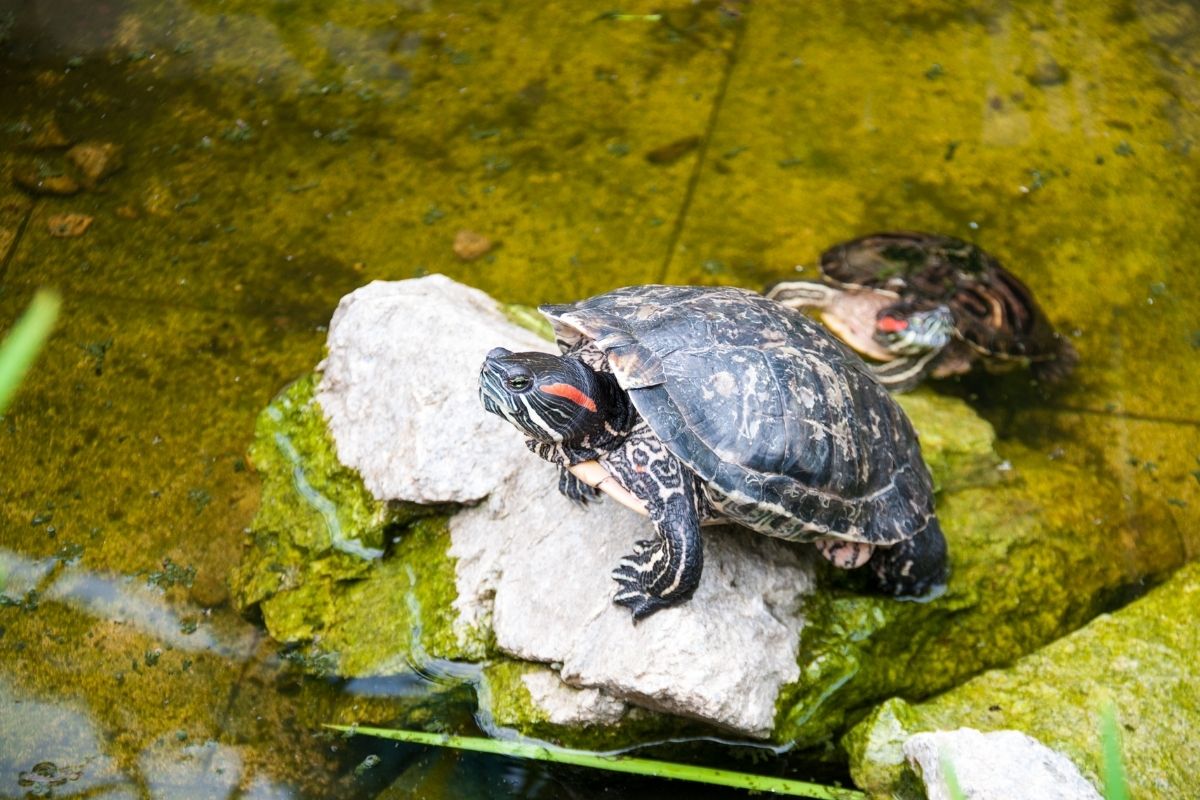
913,568
574,489
664,571
1056,369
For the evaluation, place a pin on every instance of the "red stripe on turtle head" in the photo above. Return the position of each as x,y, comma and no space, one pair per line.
891,324
571,393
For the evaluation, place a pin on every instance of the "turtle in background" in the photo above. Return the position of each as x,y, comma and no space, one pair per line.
694,404
923,305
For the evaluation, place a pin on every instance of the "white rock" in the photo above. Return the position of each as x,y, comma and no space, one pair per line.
400,388
1000,765
566,705
537,568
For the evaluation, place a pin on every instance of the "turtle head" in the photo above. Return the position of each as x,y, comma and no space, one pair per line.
550,398
909,329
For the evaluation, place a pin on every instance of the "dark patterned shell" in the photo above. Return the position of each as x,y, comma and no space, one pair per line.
789,430
993,311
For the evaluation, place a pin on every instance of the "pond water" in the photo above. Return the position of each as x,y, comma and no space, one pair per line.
278,154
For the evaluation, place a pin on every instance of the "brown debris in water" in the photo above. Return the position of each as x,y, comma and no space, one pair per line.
34,180
469,245
65,226
95,161
49,137
670,153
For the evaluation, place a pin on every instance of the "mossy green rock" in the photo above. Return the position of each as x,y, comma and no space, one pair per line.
958,446
1140,659
319,535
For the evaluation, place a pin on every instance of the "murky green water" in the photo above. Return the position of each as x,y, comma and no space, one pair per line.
279,154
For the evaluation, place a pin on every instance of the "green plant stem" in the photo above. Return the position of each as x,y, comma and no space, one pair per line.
24,341
636,766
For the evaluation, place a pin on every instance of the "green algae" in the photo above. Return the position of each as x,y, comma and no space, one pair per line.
1137,659
316,567
958,446
528,318
314,512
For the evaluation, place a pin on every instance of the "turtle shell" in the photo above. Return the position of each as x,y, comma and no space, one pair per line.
994,312
790,433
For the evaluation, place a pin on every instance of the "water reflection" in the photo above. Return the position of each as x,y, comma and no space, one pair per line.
50,749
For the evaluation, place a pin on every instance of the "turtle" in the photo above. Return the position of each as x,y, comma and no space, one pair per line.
925,304
700,404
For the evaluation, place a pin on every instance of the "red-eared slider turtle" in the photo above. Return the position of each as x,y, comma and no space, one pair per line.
926,304
705,403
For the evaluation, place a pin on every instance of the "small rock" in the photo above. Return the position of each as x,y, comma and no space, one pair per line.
30,178
469,245
65,226
566,705
995,766
1048,72
95,161
50,137
127,212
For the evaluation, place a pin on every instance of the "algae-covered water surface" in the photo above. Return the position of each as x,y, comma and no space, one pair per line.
202,181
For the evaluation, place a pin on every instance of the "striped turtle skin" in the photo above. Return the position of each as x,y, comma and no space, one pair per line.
719,404
935,305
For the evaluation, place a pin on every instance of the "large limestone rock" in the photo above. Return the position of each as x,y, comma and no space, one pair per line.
532,568
357,563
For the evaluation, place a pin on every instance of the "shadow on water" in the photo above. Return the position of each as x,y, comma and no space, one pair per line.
279,154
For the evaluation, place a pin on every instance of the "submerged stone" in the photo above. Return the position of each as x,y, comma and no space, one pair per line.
1139,659
341,565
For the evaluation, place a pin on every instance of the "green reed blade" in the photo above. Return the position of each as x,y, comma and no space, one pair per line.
1115,785
24,341
635,766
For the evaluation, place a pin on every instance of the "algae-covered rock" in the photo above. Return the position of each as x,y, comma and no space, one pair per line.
958,446
341,565
1140,659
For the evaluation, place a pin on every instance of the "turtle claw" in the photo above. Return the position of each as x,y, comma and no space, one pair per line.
632,595
632,575
640,605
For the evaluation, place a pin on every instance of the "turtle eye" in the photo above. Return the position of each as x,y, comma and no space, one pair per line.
519,383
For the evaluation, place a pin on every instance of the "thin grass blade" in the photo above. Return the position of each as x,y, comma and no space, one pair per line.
635,766
24,341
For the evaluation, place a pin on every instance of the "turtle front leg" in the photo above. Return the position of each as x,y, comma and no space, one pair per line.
905,373
574,489
665,571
